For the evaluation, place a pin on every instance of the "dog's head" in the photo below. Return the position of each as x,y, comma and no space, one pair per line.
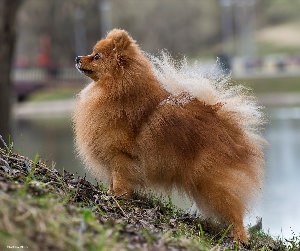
109,56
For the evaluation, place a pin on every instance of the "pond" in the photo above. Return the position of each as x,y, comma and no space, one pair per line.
279,206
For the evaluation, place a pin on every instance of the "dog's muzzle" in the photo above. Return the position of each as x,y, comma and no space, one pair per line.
78,63
77,60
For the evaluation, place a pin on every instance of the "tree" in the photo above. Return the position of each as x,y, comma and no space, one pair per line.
8,13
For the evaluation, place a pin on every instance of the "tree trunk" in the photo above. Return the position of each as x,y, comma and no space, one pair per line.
8,11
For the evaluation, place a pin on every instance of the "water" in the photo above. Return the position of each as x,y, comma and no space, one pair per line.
51,139
279,206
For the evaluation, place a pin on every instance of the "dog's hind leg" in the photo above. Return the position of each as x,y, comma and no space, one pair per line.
225,205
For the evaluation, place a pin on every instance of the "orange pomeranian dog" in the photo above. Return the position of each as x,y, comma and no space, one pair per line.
144,122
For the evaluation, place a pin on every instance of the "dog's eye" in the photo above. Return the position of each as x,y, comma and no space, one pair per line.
97,56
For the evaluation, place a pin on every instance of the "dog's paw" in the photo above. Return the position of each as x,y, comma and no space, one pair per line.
120,192
240,235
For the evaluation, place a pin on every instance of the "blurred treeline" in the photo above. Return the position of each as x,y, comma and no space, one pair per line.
188,27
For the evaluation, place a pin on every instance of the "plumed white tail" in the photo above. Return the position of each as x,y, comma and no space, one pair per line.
211,87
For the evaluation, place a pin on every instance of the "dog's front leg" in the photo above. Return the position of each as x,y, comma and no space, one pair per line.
123,176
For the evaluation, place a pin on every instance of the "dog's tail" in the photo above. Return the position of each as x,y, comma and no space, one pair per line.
210,86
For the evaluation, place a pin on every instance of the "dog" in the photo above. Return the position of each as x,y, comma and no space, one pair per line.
138,126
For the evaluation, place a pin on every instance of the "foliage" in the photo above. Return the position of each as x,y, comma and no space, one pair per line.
183,27
150,22
278,11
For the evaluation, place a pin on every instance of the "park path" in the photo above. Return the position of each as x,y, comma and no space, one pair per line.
44,108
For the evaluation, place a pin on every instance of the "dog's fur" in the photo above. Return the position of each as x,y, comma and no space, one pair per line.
133,129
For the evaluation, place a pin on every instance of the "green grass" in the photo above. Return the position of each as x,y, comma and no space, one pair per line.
54,94
264,48
272,85
66,212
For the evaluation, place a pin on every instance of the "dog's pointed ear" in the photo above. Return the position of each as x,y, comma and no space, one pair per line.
121,39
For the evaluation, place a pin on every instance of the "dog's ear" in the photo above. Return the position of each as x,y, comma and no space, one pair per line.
120,39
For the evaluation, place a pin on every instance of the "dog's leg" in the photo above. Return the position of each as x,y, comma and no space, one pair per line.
111,188
123,176
232,210
227,206
122,187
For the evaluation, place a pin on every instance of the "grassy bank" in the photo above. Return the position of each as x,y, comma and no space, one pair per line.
272,85
42,209
54,94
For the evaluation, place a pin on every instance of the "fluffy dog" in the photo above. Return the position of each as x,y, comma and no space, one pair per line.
145,123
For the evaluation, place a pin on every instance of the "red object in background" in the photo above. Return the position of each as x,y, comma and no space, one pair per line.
43,58
21,62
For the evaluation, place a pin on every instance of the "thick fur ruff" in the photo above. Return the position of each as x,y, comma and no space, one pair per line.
149,123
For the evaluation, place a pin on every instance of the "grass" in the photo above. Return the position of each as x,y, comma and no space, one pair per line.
42,209
272,85
54,94
267,48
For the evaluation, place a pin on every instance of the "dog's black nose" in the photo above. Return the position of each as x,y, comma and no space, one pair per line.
77,59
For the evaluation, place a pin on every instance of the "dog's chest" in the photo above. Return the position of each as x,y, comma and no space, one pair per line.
99,128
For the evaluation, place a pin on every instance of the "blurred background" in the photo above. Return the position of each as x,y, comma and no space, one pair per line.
256,42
